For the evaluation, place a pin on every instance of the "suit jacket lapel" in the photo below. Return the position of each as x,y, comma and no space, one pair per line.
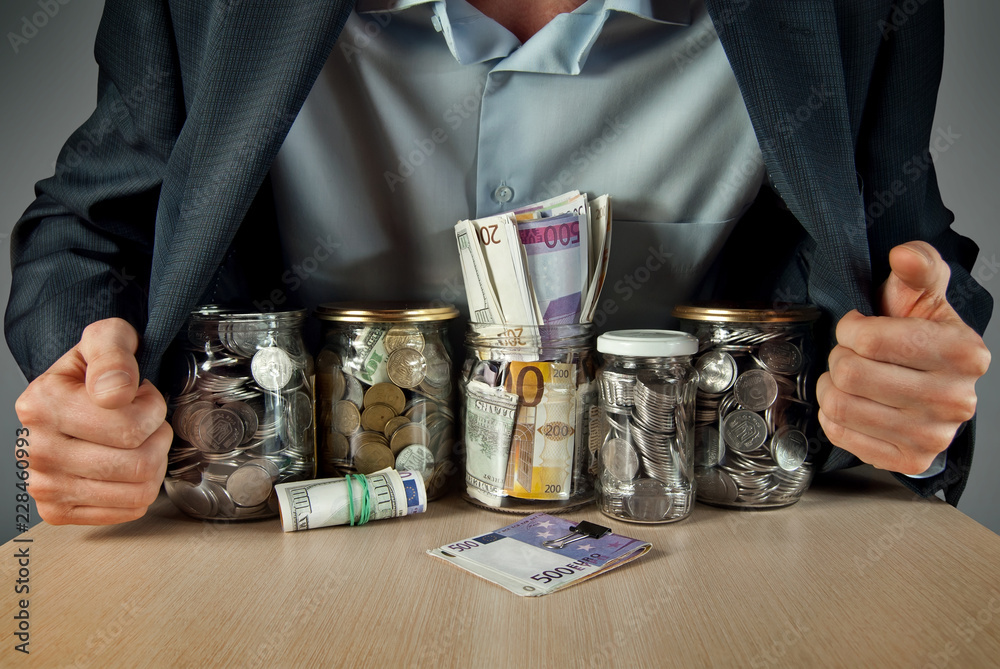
787,61
263,58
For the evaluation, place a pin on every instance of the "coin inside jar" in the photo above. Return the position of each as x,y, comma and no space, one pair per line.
415,458
756,389
250,484
387,394
406,367
372,457
780,357
716,372
346,417
403,336
413,433
376,416
744,431
220,430
789,448
271,368
620,459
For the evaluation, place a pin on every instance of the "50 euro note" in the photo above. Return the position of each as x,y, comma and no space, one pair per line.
306,505
542,448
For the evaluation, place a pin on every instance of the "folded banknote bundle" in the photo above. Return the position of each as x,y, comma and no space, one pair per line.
540,554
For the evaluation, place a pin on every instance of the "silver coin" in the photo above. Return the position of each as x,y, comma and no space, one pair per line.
716,372
755,389
620,459
715,485
649,501
220,430
271,368
415,458
744,431
193,499
708,447
789,448
249,485
354,392
225,508
780,357
248,416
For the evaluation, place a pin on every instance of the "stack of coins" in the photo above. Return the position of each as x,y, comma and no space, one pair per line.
645,471
384,400
242,419
752,409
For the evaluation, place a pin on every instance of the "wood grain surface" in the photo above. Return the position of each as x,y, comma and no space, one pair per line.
858,574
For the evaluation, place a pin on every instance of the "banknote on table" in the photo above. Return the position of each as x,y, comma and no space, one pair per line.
543,445
515,557
306,505
489,424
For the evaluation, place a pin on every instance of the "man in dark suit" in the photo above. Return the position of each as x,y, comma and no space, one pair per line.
156,198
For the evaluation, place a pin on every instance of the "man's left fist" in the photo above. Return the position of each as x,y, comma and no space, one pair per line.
902,383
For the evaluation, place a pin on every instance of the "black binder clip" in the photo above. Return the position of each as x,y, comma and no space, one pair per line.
583,530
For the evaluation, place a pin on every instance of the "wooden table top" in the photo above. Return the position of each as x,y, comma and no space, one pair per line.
860,573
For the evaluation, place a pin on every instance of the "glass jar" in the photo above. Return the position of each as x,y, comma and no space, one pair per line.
530,398
242,413
384,389
645,460
754,406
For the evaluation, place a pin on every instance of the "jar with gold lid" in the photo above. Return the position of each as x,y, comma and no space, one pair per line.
754,403
384,390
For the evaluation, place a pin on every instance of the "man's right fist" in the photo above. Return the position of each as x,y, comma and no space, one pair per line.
99,438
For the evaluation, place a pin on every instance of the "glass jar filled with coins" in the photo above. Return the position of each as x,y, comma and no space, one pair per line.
242,413
754,404
384,389
530,398
645,459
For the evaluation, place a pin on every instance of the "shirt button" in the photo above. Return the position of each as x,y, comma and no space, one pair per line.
503,194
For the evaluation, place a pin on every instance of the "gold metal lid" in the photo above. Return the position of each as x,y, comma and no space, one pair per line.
385,312
723,313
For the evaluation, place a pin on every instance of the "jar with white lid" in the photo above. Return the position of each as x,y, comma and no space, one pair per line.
647,387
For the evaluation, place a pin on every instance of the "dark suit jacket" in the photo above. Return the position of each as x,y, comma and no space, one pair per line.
167,182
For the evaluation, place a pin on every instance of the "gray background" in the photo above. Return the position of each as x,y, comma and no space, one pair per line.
49,89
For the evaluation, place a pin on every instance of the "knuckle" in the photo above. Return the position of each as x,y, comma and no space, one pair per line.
28,408
836,406
847,374
868,343
53,514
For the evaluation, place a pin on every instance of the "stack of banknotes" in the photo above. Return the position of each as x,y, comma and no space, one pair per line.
533,278
544,264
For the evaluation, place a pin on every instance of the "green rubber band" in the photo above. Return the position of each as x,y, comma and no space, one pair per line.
366,503
350,499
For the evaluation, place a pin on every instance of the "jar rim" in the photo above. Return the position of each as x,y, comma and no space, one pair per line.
793,313
384,312
210,313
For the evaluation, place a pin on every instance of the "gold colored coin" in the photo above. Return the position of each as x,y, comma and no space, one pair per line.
327,360
340,448
403,336
366,437
346,417
406,367
376,416
372,457
388,394
394,424
408,435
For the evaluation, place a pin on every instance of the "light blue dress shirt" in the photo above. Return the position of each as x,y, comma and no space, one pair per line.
428,112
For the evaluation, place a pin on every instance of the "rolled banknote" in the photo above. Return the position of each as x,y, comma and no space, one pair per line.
489,423
305,505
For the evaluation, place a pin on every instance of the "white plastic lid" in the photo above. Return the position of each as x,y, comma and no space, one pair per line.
647,343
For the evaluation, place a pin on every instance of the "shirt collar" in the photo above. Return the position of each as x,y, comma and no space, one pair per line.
561,47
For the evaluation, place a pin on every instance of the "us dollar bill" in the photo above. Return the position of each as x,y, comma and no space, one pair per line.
489,424
306,505
544,440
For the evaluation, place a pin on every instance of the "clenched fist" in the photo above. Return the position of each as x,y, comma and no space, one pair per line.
99,437
902,383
